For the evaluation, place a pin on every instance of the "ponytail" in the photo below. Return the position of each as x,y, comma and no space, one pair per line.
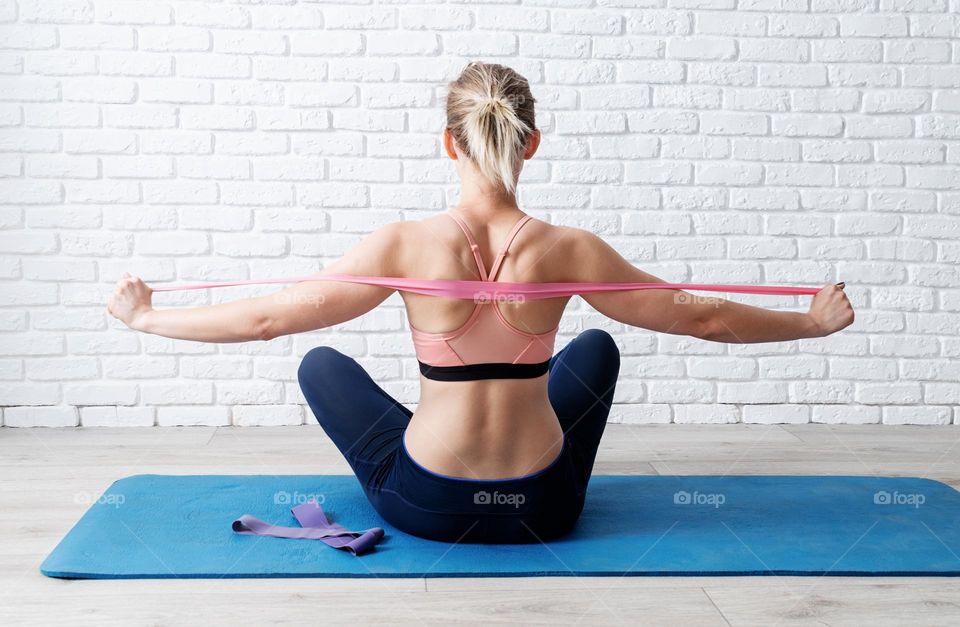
490,114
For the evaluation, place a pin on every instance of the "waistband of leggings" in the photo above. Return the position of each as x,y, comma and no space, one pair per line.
465,481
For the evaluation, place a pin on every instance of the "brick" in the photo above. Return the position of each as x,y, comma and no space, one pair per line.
51,416
191,416
266,415
776,414
116,416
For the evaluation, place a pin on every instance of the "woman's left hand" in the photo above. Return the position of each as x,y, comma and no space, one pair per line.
130,301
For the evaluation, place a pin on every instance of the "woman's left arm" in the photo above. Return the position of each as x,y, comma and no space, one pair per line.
301,307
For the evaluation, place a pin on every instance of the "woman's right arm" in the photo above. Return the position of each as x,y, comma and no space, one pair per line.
682,313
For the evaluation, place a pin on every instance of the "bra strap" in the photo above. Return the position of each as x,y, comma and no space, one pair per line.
495,268
474,247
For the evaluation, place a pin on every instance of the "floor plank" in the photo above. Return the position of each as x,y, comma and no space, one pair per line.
838,604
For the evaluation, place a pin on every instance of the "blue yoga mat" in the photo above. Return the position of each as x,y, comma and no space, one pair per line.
159,526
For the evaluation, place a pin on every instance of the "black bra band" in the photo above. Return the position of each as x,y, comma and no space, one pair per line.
475,372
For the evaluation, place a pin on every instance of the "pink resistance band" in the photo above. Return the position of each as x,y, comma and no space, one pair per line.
489,290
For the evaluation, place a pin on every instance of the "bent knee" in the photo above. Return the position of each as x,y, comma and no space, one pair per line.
320,361
600,340
603,348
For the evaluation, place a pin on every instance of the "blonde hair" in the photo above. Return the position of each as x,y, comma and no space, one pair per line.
490,115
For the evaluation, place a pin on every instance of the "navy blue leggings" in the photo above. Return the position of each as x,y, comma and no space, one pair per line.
367,425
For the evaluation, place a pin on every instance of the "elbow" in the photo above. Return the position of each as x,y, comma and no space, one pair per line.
265,330
706,328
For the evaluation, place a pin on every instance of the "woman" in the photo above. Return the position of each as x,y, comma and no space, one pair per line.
503,441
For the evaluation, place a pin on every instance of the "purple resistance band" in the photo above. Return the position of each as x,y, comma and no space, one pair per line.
313,526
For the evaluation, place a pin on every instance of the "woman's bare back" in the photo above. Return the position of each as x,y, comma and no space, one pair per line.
492,428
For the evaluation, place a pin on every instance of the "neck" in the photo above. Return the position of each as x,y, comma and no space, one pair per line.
481,197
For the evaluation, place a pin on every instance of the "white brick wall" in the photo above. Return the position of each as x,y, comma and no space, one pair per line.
791,141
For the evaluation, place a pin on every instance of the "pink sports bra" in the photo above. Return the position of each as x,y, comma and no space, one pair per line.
487,345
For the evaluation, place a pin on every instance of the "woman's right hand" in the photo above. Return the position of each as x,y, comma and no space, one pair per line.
130,301
830,309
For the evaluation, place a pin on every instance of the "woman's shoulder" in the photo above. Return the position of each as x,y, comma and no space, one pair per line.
538,238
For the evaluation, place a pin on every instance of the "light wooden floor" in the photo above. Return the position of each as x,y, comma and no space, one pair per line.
44,469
